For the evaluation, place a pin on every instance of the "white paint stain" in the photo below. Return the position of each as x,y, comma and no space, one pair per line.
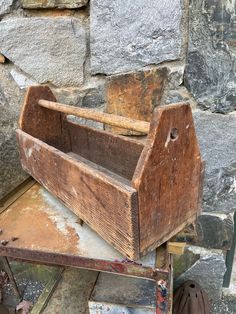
36,147
167,141
74,191
28,152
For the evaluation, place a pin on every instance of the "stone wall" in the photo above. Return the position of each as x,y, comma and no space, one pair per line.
182,50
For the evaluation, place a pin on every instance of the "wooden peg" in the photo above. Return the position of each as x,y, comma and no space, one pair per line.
111,119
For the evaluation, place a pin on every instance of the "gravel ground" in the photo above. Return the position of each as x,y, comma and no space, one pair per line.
30,291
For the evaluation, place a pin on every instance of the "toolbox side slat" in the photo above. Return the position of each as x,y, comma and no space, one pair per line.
43,123
109,206
170,166
117,153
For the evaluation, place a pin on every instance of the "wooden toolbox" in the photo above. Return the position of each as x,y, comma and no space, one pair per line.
136,193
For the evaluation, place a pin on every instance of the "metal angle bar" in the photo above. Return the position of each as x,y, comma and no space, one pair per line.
7,268
125,268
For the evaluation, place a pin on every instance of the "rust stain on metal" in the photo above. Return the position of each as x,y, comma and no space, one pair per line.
32,226
41,222
72,234
48,232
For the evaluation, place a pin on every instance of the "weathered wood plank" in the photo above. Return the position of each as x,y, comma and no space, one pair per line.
176,248
101,169
135,95
162,257
107,205
117,153
168,176
42,123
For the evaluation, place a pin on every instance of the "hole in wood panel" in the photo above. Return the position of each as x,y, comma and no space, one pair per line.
174,133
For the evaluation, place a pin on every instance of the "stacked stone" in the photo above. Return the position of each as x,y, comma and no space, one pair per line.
83,49
43,46
212,235
209,77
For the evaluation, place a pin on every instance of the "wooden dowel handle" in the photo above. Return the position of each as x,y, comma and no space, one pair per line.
111,119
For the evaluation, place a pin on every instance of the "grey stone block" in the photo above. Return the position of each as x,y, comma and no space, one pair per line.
180,94
10,103
92,96
21,80
61,4
208,272
211,230
183,262
5,6
48,49
215,230
219,192
125,291
175,74
72,293
127,35
210,71
226,305
12,174
216,135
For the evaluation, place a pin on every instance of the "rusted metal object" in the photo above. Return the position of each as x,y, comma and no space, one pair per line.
190,298
12,280
48,233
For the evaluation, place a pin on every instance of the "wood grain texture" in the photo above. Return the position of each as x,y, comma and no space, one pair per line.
106,204
168,176
135,95
162,257
91,114
136,194
117,153
42,123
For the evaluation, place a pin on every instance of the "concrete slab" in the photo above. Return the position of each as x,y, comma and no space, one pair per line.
115,294
72,293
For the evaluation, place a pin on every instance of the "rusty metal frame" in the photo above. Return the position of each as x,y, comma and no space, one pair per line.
162,276
164,302
125,267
